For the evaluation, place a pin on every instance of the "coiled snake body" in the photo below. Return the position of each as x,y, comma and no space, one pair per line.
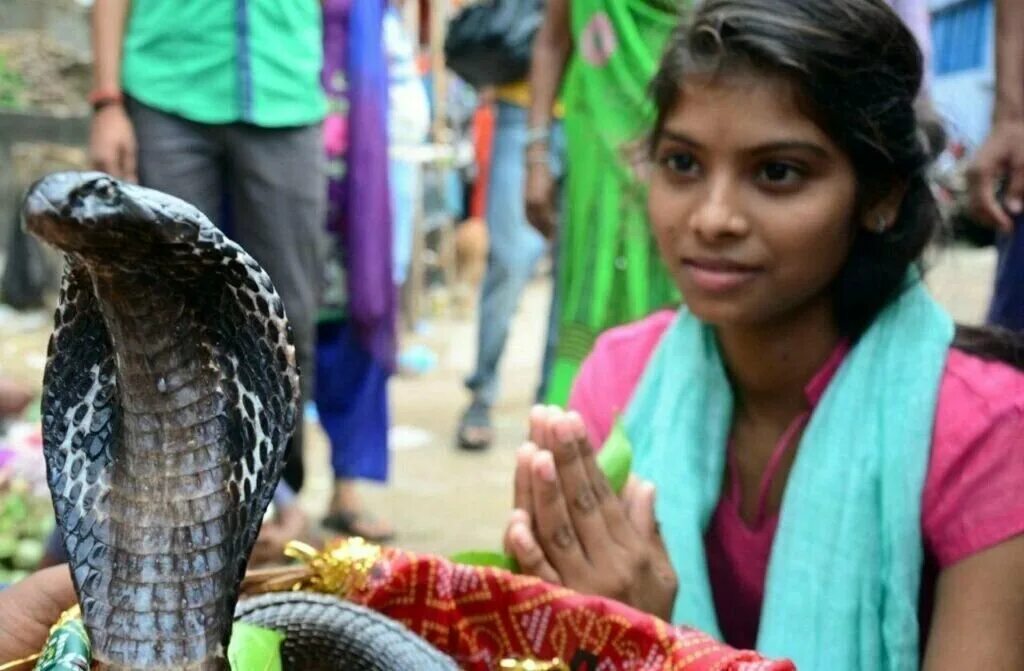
169,395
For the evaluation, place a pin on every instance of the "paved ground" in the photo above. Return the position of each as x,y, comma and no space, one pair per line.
440,499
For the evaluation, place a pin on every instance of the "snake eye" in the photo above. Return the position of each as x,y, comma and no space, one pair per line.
105,189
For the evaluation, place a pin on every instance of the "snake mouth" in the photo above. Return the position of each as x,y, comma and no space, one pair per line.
49,209
97,216
41,218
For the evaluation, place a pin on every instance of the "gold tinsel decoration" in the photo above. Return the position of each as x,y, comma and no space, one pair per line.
342,567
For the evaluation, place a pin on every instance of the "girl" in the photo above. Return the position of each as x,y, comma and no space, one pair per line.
839,469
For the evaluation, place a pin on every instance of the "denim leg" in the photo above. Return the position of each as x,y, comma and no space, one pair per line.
515,248
403,185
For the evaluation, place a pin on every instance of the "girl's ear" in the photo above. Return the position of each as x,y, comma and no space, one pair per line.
881,216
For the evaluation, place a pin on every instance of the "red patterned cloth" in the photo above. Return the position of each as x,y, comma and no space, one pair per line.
481,615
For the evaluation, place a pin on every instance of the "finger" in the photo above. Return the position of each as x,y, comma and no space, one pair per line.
1014,196
128,162
538,420
983,202
644,519
639,499
544,217
539,225
517,516
576,485
529,554
102,161
550,212
522,497
548,435
612,508
531,214
547,225
554,527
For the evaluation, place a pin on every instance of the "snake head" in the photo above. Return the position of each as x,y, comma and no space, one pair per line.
93,215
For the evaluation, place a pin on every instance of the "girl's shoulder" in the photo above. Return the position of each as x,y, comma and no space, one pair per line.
637,339
971,499
608,376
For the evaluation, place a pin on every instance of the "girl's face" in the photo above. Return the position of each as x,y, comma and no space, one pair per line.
751,202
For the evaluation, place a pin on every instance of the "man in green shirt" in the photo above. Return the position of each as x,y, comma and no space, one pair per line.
219,102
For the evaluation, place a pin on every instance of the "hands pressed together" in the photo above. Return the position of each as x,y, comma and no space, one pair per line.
570,528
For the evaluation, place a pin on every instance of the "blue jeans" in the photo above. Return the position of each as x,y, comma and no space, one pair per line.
402,175
1008,301
515,248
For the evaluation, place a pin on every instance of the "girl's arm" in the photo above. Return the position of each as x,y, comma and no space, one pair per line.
978,621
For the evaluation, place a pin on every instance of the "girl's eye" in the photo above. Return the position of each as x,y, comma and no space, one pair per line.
778,174
681,164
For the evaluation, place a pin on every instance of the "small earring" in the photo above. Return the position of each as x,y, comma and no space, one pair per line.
881,225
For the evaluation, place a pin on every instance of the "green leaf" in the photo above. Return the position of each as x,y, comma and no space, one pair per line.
28,553
485,558
616,458
254,648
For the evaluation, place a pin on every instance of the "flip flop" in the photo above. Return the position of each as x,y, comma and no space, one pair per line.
475,431
351,523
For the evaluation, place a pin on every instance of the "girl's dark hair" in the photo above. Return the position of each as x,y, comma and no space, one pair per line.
857,70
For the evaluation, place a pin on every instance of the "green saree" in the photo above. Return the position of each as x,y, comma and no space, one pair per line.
610,272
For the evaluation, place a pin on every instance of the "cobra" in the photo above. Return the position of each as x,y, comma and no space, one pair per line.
170,393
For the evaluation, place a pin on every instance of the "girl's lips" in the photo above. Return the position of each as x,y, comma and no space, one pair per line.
718,275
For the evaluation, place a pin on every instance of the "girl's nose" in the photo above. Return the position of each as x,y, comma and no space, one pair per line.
719,216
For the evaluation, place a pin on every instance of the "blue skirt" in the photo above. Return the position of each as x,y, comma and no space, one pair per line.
352,401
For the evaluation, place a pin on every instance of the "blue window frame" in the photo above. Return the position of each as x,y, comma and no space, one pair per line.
960,35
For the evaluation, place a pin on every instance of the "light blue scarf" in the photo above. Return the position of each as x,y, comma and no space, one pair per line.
845,570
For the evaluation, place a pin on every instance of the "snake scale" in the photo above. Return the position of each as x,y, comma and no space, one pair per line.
170,393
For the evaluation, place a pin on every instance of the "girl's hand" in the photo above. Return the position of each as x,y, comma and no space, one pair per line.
569,528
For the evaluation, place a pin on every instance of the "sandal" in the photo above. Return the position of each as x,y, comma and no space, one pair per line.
475,430
353,523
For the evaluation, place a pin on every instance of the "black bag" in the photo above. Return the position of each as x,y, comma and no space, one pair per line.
489,42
